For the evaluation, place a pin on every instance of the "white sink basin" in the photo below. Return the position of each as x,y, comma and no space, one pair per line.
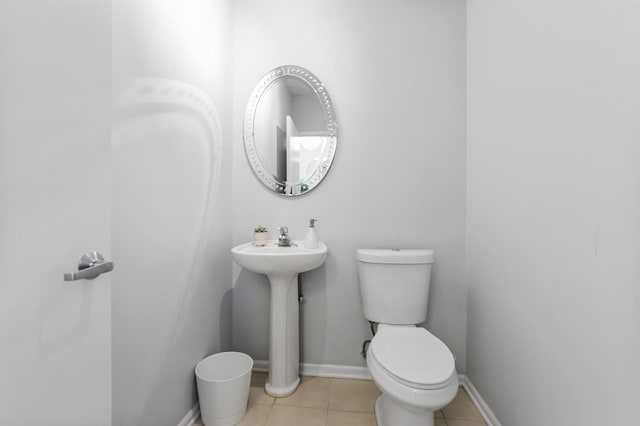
272,259
282,266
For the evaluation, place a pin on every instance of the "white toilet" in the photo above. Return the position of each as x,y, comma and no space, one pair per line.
413,369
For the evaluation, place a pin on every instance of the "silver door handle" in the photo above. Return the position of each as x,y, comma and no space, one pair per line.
90,266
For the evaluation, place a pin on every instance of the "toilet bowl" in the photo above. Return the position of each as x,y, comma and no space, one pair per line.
415,372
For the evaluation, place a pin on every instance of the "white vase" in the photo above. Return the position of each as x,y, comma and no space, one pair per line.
260,239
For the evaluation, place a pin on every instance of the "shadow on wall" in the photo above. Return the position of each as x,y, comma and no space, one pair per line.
166,144
251,301
313,333
226,305
251,315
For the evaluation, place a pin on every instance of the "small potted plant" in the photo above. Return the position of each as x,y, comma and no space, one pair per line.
260,236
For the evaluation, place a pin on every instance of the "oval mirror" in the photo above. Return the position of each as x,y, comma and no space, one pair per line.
290,132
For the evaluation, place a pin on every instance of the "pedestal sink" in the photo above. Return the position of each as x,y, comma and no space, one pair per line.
282,266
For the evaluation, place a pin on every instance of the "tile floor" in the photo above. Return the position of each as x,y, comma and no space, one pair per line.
321,401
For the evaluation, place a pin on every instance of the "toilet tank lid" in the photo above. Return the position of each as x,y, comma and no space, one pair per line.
396,256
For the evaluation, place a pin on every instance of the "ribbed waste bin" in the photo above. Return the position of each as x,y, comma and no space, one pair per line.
223,382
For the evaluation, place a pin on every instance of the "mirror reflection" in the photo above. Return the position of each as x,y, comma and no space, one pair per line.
290,132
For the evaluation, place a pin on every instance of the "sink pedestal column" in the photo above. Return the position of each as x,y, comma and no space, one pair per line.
284,337
282,266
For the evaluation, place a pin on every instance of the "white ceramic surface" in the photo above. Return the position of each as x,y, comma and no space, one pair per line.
394,284
413,369
282,265
400,404
272,259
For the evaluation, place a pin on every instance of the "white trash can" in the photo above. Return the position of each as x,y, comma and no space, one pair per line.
223,382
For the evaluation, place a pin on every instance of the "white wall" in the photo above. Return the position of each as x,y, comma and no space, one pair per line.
171,202
554,202
396,73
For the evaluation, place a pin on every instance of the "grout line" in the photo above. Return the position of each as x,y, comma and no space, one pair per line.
327,409
326,413
444,417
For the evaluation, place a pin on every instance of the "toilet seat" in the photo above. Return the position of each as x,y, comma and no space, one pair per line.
413,356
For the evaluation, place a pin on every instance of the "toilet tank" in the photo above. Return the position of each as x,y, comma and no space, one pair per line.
394,284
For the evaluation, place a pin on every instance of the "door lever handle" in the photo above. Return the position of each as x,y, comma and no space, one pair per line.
90,266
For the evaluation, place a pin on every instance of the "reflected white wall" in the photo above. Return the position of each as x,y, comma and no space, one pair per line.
171,298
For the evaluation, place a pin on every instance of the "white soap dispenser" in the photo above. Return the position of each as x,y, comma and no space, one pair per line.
311,240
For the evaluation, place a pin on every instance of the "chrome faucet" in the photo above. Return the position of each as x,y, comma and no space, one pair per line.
283,239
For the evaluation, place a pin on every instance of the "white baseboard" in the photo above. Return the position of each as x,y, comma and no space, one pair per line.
335,371
191,416
322,370
484,409
260,366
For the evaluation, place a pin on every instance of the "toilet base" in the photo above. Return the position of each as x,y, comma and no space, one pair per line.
393,413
